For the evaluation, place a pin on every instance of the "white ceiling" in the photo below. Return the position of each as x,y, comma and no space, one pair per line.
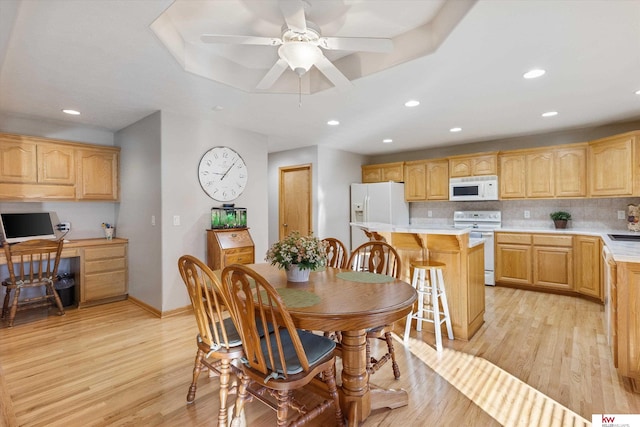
102,58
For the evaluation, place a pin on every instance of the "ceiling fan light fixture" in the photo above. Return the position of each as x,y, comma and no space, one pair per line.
300,55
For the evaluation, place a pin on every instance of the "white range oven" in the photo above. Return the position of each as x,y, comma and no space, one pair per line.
482,225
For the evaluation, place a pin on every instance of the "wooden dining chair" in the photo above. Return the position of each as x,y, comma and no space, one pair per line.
282,361
380,258
31,264
218,341
337,254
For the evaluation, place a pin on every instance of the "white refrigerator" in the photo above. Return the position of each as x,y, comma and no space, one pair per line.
377,202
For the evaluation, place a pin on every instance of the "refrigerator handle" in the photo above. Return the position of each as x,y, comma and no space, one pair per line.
366,209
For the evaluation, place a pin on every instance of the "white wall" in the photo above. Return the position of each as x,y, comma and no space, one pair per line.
140,199
333,172
184,141
337,170
86,217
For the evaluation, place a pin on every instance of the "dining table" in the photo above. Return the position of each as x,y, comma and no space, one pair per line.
335,299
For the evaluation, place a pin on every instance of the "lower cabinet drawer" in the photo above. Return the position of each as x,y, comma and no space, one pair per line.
104,265
112,251
104,285
239,256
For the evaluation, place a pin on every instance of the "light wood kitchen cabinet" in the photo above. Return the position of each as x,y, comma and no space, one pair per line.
512,176
103,272
229,246
383,172
553,261
544,173
513,258
438,179
33,168
618,153
426,180
415,181
570,172
588,266
627,327
479,164
98,173
539,181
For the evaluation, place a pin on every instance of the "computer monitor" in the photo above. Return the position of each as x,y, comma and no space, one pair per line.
19,227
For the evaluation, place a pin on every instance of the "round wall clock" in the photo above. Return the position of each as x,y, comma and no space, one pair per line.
222,174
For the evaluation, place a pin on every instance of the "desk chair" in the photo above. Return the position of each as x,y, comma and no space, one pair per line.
284,360
336,253
31,264
218,340
380,258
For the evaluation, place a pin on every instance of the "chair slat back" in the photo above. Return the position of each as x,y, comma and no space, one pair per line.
376,257
336,253
37,261
255,304
209,304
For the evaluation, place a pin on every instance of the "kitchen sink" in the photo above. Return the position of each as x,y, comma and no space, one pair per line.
625,237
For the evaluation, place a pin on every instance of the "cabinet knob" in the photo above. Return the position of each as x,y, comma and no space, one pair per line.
284,225
234,235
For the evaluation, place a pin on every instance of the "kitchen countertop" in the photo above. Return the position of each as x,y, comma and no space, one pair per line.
621,251
419,229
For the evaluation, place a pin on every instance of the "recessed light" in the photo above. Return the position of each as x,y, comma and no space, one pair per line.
534,74
217,108
455,129
387,140
333,123
412,103
638,92
550,114
72,112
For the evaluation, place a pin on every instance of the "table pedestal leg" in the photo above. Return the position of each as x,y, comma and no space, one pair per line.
355,397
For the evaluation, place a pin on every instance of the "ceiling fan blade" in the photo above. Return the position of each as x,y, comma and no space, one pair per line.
330,71
215,38
293,12
273,74
357,44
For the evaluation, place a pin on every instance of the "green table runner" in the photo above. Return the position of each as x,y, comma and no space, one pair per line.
364,277
296,298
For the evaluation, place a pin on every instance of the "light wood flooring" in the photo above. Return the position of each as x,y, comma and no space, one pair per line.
118,365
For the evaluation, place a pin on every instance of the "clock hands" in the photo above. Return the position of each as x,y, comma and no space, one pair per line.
225,174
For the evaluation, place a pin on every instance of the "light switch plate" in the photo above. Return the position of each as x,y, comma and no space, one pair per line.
527,214
621,215
176,220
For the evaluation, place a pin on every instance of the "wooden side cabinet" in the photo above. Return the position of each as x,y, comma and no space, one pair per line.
103,271
229,246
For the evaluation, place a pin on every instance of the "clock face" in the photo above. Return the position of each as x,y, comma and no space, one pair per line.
222,174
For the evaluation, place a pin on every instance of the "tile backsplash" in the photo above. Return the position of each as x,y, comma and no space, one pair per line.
596,214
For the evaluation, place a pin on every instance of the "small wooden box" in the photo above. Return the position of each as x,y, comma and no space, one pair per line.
229,246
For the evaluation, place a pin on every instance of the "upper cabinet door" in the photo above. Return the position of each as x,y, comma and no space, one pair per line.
98,174
512,176
460,167
56,164
539,173
438,180
415,181
571,172
18,161
612,162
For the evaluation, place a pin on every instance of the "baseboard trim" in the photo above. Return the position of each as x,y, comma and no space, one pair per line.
159,313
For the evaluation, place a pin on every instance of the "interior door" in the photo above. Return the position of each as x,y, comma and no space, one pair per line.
295,200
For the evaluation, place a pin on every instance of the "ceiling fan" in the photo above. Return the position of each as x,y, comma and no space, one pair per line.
300,46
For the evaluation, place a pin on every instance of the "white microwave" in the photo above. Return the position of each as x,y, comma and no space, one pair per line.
474,188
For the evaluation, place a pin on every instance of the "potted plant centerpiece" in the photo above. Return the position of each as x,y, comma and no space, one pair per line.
560,218
298,255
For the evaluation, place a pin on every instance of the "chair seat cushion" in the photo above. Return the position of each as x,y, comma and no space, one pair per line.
316,348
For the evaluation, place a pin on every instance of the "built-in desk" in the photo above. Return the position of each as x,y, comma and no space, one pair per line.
100,267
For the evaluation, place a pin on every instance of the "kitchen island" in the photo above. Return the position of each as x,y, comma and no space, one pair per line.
464,272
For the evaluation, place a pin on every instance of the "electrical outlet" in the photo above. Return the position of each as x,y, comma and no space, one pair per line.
527,214
64,226
621,215
153,220
176,220
429,214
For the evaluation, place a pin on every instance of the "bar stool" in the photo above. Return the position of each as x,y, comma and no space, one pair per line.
431,294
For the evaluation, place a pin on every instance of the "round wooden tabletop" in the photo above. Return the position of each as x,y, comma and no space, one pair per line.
343,305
